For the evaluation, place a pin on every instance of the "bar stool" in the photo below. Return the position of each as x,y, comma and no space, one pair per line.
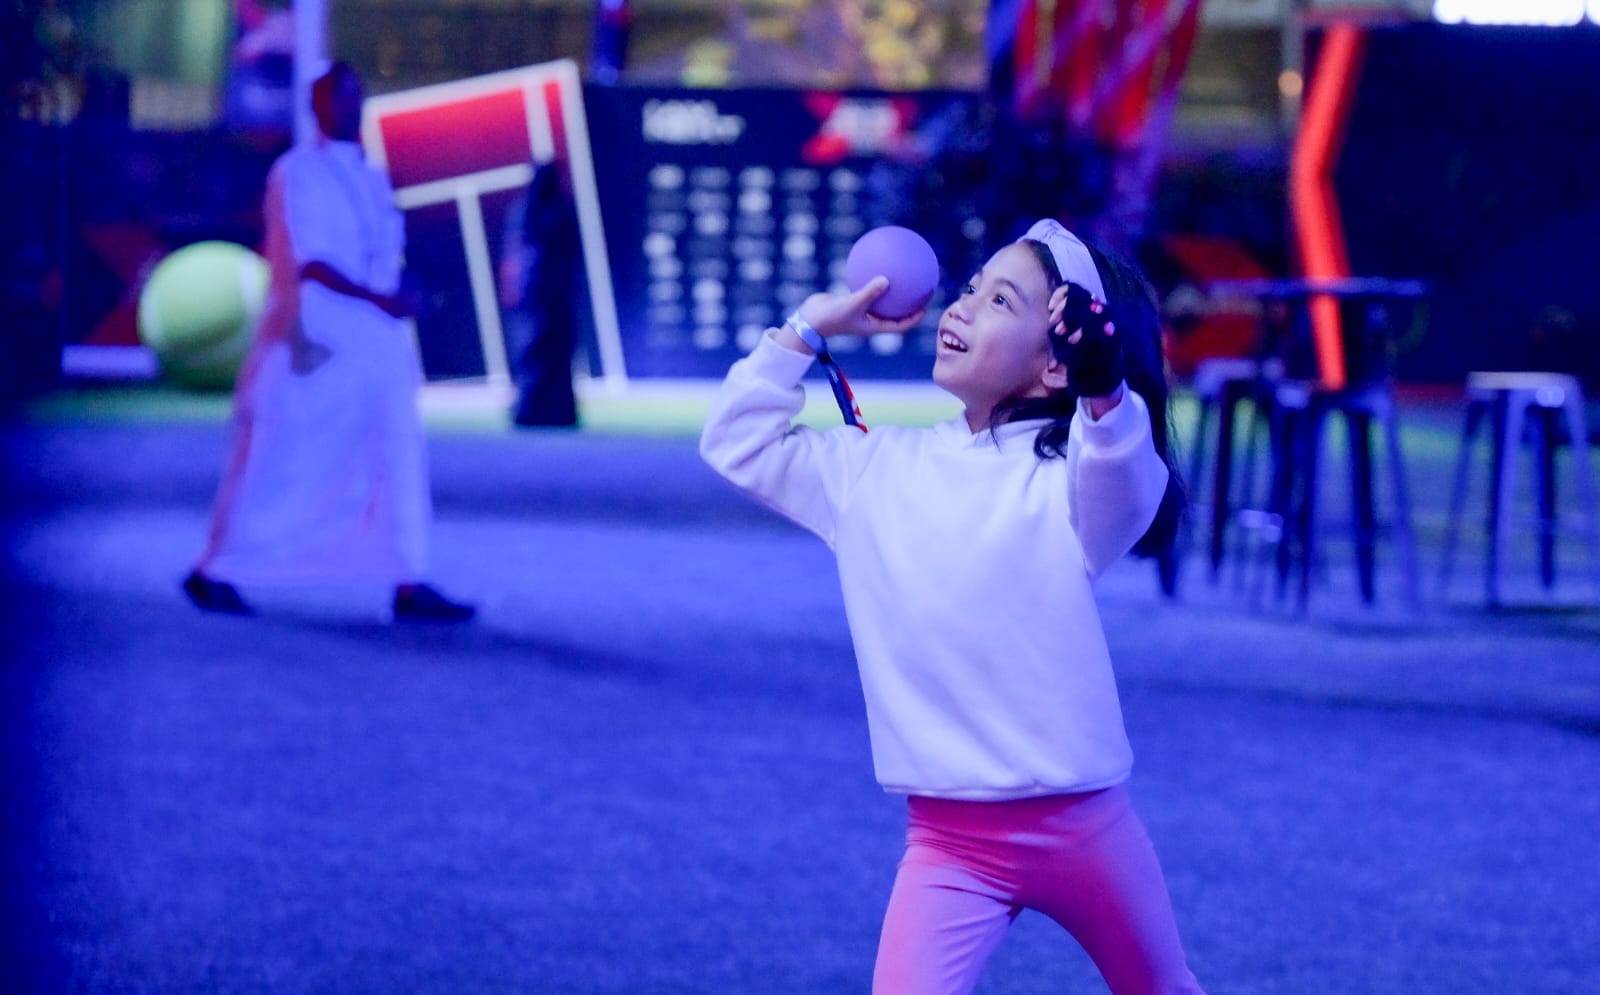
1300,411
1360,389
1220,386
1547,406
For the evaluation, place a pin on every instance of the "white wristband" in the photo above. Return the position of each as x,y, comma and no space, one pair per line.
810,336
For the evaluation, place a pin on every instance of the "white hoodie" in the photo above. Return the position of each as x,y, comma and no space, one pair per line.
966,569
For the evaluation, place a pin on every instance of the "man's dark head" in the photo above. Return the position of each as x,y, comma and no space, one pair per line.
336,101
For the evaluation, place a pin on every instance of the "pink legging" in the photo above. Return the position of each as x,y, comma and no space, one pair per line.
971,868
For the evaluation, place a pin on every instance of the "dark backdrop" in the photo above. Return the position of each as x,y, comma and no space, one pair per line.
1472,160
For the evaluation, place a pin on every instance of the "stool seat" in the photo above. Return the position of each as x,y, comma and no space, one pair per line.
1551,390
1212,376
1546,410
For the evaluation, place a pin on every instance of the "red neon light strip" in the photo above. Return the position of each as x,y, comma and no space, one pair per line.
1315,206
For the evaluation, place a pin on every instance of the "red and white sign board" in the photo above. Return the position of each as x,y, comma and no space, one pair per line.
460,141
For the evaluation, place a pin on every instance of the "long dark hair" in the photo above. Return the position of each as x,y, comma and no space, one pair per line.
1133,305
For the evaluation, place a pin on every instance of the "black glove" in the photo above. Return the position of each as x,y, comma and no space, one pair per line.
1094,362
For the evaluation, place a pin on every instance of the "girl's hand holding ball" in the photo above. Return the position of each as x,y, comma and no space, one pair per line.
891,273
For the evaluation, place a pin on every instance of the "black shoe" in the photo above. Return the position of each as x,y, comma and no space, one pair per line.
214,595
421,603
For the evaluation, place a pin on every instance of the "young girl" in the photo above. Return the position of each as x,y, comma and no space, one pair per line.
966,554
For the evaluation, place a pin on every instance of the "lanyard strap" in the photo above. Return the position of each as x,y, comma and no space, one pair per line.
842,393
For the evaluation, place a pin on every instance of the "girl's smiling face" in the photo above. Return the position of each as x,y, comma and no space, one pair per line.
993,345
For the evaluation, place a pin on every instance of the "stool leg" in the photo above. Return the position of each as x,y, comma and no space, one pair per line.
1197,454
1509,438
1458,494
1579,432
1247,546
1167,570
1359,424
1404,539
1307,527
1222,482
1544,455
1265,428
1197,451
1284,474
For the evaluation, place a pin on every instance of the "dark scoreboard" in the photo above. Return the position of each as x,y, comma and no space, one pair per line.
724,209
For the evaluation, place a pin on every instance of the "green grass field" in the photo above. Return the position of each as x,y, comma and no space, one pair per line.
675,408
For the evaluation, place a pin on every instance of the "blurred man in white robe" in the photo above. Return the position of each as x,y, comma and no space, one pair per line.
327,476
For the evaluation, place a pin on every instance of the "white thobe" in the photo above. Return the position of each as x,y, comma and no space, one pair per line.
327,476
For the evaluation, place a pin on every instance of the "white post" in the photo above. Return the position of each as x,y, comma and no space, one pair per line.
310,53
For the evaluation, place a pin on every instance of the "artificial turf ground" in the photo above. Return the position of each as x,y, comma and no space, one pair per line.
645,768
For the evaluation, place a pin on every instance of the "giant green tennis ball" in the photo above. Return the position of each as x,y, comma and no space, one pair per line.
198,312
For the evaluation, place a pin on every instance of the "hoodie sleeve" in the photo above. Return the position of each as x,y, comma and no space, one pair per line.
1116,480
750,439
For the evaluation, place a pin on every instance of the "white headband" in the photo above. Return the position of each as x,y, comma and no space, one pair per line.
1072,257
